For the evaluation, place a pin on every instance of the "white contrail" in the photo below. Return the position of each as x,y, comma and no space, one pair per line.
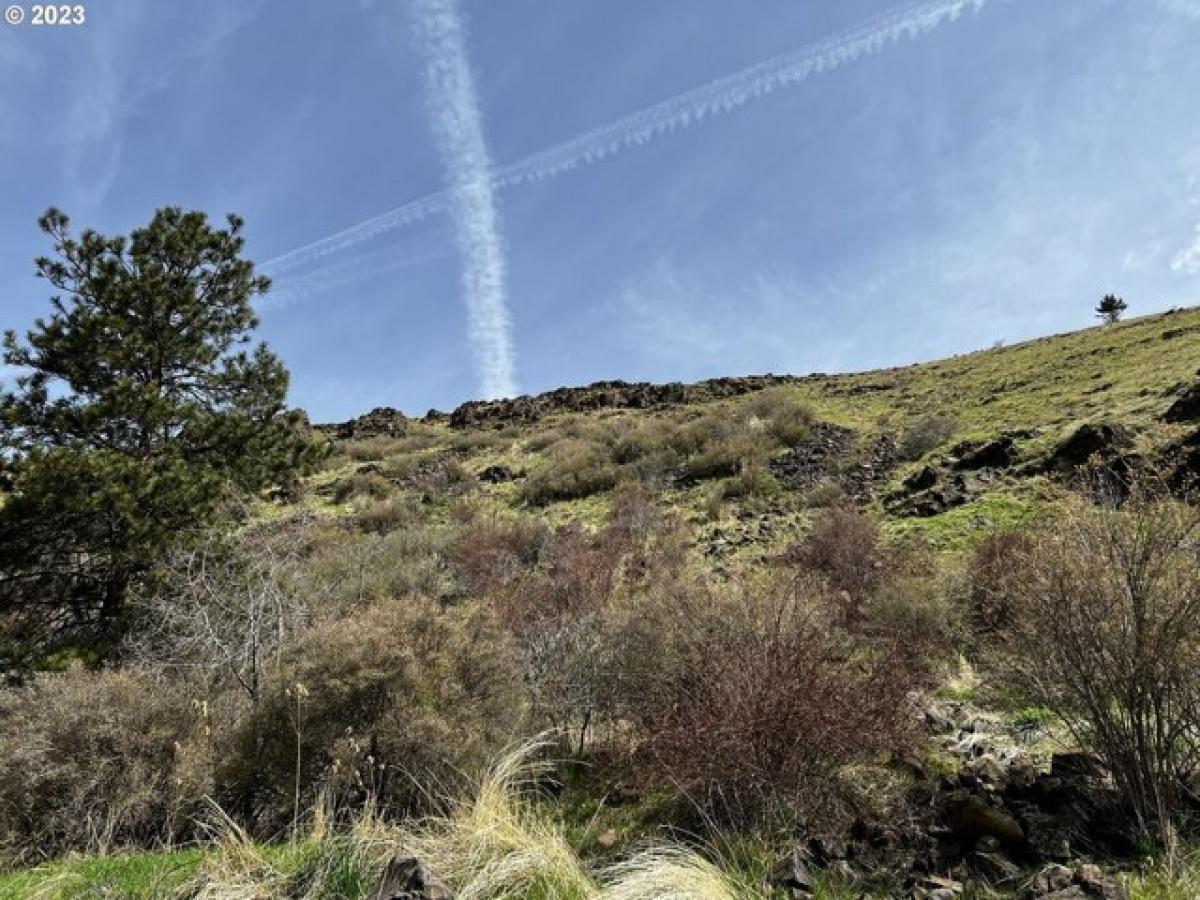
293,288
458,130
677,113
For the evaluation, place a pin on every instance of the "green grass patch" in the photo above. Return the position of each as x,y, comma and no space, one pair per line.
132,876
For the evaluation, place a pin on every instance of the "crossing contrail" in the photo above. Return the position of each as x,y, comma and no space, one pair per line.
458,130
675,114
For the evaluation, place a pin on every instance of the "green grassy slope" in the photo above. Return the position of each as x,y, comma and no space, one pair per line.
1046,388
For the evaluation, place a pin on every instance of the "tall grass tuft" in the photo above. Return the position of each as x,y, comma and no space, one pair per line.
496,845
674,873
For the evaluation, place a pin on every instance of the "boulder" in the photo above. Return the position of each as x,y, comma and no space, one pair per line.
921,480
498,474
406,878
971,817
793,875
995,454
1186,407
1052,878
1103,440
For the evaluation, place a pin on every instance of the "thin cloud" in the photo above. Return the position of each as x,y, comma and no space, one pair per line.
675,114
458,130
1187,262
1190,8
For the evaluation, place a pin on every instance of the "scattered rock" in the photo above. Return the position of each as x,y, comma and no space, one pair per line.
1096,884
820,456
498,474
953,492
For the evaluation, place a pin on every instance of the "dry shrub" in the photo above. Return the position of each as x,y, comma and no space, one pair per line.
362,484
992,576
575,470
222,611
93,761
372,449
384,705
844,549
755,480
786,419
491,552
384,516
826,493
767,701
558,614
634,512
343,568
1103,632
926,433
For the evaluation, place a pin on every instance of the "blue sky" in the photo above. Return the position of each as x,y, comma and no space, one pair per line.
985,178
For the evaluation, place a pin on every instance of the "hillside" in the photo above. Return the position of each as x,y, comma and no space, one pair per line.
941,448
796,635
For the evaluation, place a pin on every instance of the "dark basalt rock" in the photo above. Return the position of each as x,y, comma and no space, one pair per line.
942,496
995,454
793,875
383,421
606,395
820,456
921,480
498,474
1104,441
1186,407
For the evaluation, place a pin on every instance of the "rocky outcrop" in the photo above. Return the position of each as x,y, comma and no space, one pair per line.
383,421
820,456
1106,443
607,395
1005,819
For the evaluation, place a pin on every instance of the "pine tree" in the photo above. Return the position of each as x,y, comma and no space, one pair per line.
139,410
1111,308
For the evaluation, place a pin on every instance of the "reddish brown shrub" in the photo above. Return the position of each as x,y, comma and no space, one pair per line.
491,552
844,549
764,710
993,577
